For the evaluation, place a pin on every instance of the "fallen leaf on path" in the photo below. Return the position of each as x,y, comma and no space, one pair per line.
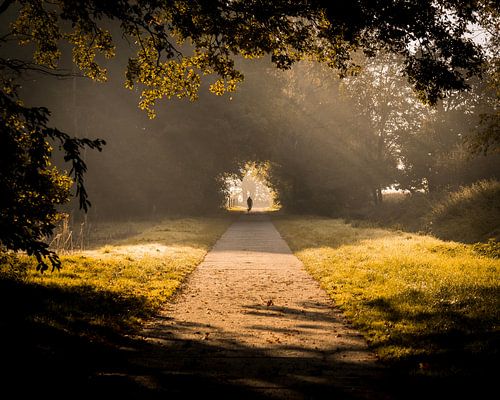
424,366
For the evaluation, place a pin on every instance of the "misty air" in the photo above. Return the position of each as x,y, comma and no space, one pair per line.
249,199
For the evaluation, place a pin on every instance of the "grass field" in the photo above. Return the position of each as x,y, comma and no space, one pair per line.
428,307
113,286
58,329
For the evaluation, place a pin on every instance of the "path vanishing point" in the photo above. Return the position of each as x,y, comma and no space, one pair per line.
250,323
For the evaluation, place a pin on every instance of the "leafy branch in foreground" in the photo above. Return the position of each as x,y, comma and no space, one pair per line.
30,185
179,41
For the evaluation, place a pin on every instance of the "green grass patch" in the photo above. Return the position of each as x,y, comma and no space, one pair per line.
427,306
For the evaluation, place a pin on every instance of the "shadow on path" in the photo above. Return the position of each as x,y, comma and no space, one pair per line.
295,347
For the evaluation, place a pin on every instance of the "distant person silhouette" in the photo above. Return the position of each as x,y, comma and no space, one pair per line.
249,203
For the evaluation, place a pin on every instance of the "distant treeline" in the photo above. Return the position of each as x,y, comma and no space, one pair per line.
331,145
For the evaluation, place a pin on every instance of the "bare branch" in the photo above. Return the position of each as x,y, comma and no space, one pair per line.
18,66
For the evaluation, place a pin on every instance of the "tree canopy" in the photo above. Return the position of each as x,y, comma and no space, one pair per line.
430,36
178,42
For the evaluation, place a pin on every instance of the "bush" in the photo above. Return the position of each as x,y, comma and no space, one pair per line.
406,213
471,214
14,267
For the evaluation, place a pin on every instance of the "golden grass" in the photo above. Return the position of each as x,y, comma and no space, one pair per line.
431,304
118,284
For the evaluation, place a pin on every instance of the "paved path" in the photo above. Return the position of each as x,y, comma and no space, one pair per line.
251,323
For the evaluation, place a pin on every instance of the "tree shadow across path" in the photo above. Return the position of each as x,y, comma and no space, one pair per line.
57,360
190,355
166,365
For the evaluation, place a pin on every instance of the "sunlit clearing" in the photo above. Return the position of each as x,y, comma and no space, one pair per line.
137,240
155,250
252,184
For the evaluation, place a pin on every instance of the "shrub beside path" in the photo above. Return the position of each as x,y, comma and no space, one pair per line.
251,323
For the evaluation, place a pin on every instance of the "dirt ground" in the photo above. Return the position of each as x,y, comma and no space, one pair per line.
250,323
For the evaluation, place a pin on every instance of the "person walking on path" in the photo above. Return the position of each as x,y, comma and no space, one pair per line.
249,203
